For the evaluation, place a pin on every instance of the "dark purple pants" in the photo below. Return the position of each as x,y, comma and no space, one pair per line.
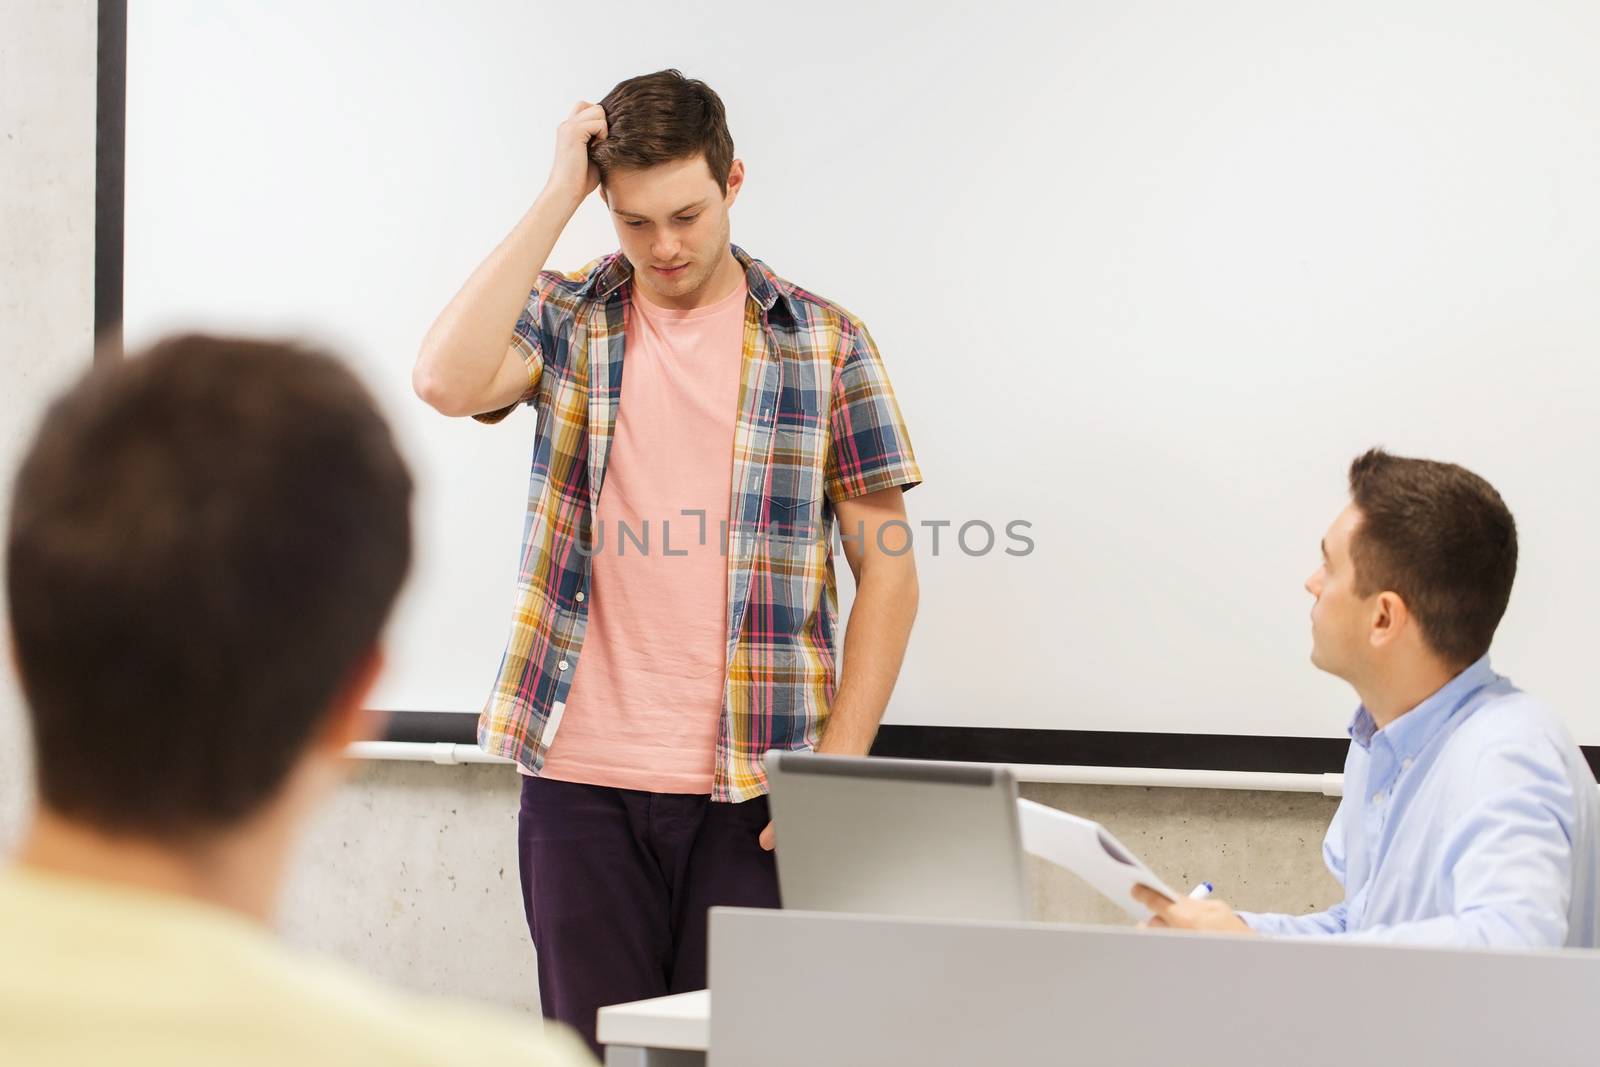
617,882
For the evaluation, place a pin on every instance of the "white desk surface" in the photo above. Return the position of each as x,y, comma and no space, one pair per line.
682,1021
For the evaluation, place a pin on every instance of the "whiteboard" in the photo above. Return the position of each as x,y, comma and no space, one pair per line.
1146,276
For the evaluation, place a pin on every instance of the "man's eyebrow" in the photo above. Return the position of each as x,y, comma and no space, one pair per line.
690,207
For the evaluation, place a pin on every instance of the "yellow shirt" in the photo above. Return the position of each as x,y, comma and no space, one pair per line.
92,973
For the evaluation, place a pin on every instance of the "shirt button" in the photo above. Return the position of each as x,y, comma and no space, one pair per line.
578,598
1405,764
1377,798
563,665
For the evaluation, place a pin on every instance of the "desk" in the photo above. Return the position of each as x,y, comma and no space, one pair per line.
665,1032
943,993
805,990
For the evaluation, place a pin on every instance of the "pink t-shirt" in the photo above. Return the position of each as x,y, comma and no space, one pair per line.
646,701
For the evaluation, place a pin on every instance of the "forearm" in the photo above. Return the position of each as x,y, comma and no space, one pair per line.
1519,917
1319,924
1513,929
467,343
1482,928
876,636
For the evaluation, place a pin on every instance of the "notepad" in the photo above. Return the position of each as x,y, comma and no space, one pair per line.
1089,851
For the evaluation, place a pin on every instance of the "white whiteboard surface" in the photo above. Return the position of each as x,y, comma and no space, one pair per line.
1146,276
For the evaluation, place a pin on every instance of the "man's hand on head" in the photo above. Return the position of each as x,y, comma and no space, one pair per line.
1207,916
572,174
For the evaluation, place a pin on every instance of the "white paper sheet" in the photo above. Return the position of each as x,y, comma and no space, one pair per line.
1089,851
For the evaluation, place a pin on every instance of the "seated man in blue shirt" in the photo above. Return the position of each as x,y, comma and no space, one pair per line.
1470,816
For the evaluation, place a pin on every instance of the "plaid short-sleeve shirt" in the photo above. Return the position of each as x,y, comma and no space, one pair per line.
817,423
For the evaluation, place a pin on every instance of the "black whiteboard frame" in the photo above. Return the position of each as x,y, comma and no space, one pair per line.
1088,748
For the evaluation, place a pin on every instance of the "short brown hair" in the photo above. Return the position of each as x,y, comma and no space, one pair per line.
661,118
1440,537
204,543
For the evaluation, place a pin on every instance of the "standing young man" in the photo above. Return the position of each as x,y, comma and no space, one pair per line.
1469,814
702,425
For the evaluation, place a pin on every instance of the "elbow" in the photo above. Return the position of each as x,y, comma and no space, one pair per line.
1544,931
1521,929
434,390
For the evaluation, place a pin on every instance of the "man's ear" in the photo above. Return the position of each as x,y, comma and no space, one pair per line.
1390,619
349,719
735,181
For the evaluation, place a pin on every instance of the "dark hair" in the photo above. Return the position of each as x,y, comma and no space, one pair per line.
1440,537
205,541
661,118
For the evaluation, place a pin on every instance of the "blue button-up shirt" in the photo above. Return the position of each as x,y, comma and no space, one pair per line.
1470,820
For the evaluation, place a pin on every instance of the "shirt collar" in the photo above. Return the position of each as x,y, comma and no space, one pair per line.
1411,732
766,288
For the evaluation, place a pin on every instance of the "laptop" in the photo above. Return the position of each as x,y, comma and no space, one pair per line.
897,837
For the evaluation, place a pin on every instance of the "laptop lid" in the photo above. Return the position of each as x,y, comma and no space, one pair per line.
897,837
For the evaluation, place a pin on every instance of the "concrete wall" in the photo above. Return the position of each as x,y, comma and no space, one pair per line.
47,115
412,871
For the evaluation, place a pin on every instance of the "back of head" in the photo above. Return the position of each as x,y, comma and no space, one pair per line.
205,542
1442,539
660,118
